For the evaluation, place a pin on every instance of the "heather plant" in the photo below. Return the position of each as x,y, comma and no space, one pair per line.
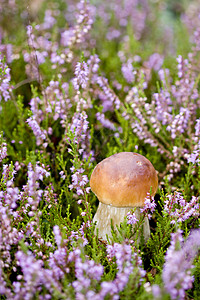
80,81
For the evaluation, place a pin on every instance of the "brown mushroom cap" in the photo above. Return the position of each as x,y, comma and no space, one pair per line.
124,179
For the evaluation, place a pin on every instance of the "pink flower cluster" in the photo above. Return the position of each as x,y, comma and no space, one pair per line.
177,269
179,209
5,78
3,149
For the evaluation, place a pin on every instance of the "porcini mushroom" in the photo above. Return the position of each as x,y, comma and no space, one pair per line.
121,182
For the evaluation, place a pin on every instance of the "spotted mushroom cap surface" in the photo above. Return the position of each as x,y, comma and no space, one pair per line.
124,179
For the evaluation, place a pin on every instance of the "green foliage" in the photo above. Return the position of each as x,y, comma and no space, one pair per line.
157,245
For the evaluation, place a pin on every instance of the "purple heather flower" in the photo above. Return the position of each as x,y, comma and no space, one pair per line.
8,203
139,124
80,129
41,56
32,278
125,260
49,20
41,171
105,122
32,193
58,263
39,133
7,51
194,156
58,260
163,106
29,30
78,182
4,290
128,11
67,37
155,62
77,34
81,72
123,253
34,174
3,151
180,66
38,113
128,71
160,111
93,62
8,174
80,234
57,104
131,217
177,268
149,206
180,122
109,94
5,87
57,59
156,291
11,197
57,235
62,175
86,272
164,75
113,34
79,126
179,209
197,128
85,14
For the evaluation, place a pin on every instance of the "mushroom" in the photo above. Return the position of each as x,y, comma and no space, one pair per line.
121,182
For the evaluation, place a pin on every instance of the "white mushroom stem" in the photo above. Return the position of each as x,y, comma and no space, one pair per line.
105,213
